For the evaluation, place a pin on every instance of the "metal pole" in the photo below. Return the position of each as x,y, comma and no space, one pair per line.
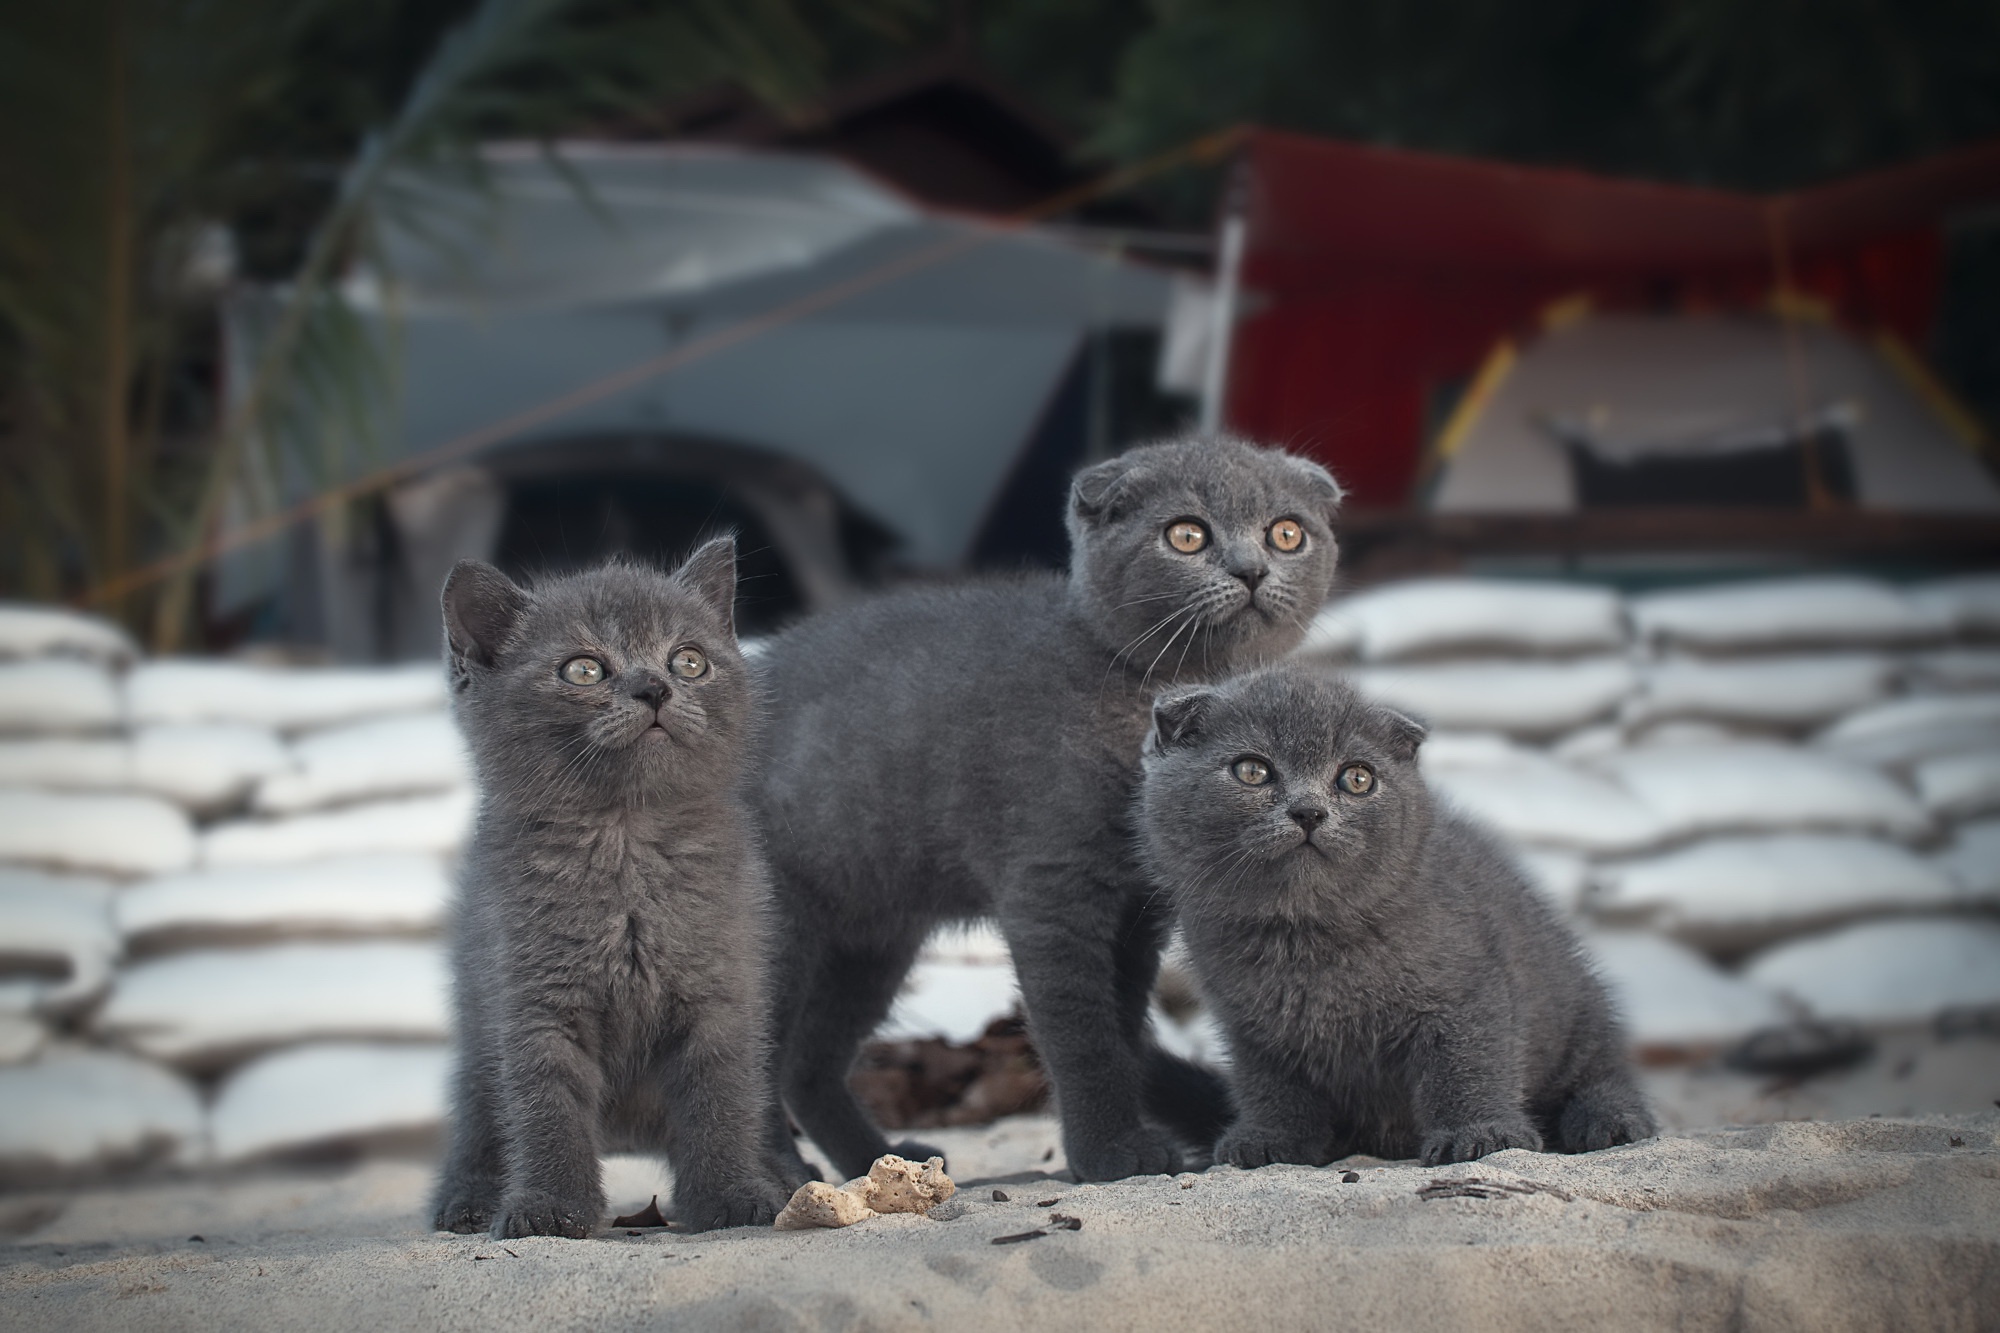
1222,314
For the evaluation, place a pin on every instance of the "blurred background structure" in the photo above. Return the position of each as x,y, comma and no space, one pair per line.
1659,347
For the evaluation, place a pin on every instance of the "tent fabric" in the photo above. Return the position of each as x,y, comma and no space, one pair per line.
913,395
1677,380
1381,277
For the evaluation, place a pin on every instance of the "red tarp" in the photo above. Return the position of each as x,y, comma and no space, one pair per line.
1378,279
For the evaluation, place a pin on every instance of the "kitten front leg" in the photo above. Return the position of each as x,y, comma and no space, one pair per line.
1468,1096
474,1174
551,1094
715,1088
1281,1117
1064,943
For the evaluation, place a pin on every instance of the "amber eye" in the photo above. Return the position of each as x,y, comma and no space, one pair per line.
583,671
1356,779
1286,535
1251,772
688,663
1186,536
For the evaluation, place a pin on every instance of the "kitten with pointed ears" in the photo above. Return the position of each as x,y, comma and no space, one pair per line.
611,929
1388,981
946,753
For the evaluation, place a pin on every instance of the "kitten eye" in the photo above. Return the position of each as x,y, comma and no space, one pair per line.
1287,534
688,663
583,671
1251,772
1356,779
1186,536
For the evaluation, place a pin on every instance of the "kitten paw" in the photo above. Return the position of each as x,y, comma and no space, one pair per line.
466,1207
1143,1152
712,1210
1465,1143
1588,1126
914,1151
544,1215
1250,1147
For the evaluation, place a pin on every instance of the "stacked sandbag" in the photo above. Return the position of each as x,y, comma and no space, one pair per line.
222,893
1712,778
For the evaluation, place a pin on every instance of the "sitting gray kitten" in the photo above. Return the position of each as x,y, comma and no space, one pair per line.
947,753
612,922
1388,981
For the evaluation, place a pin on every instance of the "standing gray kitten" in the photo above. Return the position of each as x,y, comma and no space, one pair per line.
1388,981
612,921
940,754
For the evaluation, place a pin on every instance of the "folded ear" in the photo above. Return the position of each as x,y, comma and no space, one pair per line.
1405,733
1325,491
710,574
481,608
1096,494
1177,717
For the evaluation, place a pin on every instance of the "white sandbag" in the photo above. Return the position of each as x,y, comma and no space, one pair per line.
112,834
1888,972
390,756
281,698
1560,877
1970,604
56,939
1972,858
54,695
75,1109
1908,731
27,630
327,1092
1455,614
968,942
1552,805
1954,671
1520,698
1698,789
66,763
1443,750
1684,731
1791,691
1958,785
1737,892
1674,999
1587,743
1782,613
205,767
434,824
347,895
203,1008
952,1000
21,1038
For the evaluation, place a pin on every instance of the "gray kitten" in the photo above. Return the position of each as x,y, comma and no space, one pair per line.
1388,981
612,921
941,754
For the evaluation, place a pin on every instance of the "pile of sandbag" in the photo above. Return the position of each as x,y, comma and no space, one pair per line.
1763,799
222,890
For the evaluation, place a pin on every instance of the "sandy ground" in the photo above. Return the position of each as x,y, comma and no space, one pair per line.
1868,1223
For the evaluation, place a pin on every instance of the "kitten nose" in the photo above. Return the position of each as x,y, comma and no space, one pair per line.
1250,568
651,688
1309,817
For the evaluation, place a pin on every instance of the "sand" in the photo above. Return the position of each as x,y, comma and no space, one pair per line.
1853,1224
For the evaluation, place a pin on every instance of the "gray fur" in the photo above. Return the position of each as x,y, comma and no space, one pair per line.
613,916
1388,981
941,754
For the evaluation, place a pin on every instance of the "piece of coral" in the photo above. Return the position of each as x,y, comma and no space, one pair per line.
893,1185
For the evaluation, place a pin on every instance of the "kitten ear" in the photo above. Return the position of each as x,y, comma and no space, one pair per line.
1177,717
481,608
1405,733
710,574
1319,483
1095,494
